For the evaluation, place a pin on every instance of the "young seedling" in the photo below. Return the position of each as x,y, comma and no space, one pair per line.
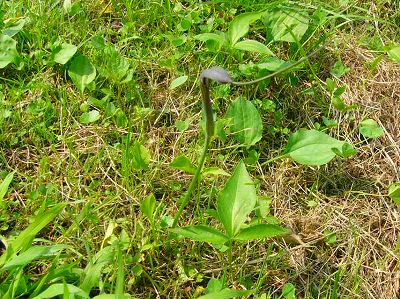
221,76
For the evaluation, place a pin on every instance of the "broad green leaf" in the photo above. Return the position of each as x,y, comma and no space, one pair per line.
148,206
89,117
312,147
246,121
201,233
370,129
182,125
289,291
340,105
240,25
178,82
8,50
253,46
210,171
82,72
226,294
4,187
13,26
140,156
114,66
260,231
236,200
33,253
339,69
184,164
93,270
394,192
394,53
286,25
214,285
273,64
58,289
26,236
64,53
205,37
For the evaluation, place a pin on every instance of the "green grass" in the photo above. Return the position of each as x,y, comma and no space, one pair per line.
93,195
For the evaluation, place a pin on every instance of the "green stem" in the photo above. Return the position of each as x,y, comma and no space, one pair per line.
194,181
273,160
281,70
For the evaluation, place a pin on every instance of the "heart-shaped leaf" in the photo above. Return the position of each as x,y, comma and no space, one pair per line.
246,121
82,72
202,233
236,200
312,147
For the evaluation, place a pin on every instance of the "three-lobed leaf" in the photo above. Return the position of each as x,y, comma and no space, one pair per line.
246,121
236,200
312,147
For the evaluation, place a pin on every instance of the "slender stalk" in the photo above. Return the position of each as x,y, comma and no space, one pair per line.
194,181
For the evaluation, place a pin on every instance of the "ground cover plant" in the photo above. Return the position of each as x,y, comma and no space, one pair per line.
191,149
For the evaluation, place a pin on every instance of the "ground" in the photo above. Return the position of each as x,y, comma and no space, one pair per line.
98,155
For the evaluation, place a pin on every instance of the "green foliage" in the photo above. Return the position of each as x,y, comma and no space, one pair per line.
8,50
246,121
394,192
311,147
4,188
286,24
178,82
89,117
63,53
184,164
369,128
235,202
394,53
82,72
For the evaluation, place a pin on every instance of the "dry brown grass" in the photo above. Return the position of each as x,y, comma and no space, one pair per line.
351,196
